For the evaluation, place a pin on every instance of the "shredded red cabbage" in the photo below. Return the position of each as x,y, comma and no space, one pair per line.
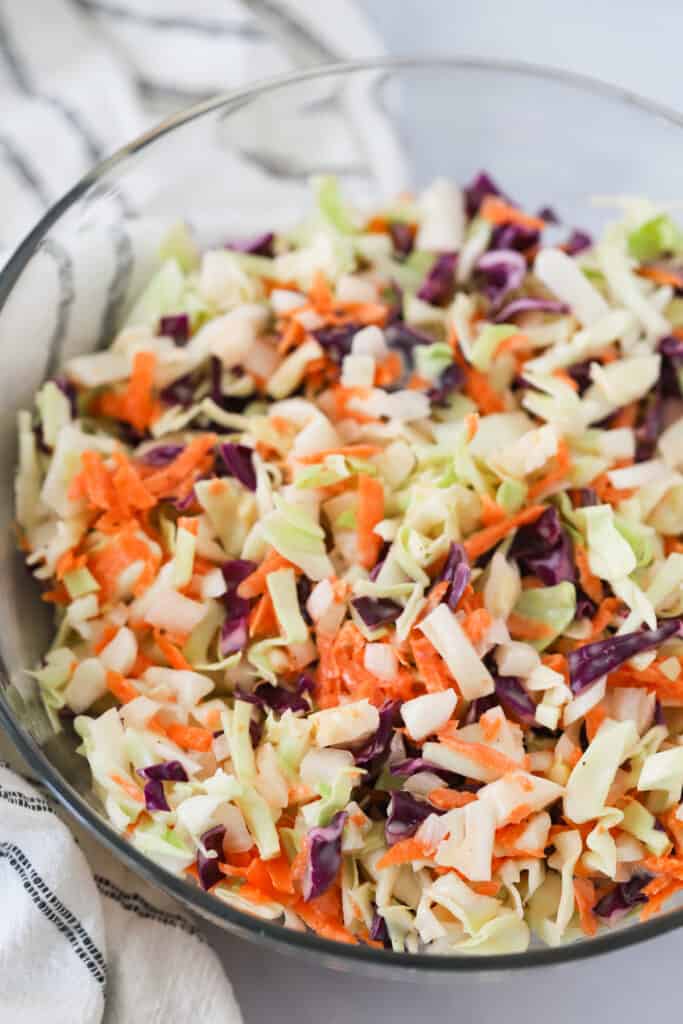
548,214
481,186
514,699
376,748
544,549
239,460
68,389
207,867
379,932
456,572
176,327
449,380
590,662
415,765
165,771
156,775
336,340
376,611
323,856
262,245
479,706
278,698
405,814
161,455
503,270
514,236
623,897
401,237
577,242
439,284
650,427
528,305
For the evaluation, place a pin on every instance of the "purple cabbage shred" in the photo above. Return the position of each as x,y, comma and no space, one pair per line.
588,663
323,856
207,867
439,284
176,326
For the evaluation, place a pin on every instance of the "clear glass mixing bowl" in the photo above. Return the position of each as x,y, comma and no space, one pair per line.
238,164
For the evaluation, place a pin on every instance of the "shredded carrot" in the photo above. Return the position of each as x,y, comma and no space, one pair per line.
69,562
661,276
518,814
471,424
129,484
128,787
190,737
447,799
607,492
590,583
263,621
477,624
377,225
320,294
108,562
431,668
164,482
173,655
558,663
136,404
491,511
656,900
404,852
566,379
541,488
94,483
584,894
490,727
122,689
343,397
351,451
479,543
478,388
497,211
594,719
523,628
626,416
59,595
255,584
675,829
108,633
478,752
603,617
389,370
369,513
293,335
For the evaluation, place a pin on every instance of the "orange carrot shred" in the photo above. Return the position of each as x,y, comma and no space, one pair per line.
369,513
404,852
584,894
447,799
479,543
122,689
190,737
497,211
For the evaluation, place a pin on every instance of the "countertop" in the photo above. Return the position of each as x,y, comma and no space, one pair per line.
637,47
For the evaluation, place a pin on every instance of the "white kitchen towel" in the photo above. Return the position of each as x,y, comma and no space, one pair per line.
79,78
82,939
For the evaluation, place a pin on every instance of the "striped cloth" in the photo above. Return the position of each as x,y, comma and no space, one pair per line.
82,940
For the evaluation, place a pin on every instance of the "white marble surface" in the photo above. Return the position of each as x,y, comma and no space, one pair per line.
637,46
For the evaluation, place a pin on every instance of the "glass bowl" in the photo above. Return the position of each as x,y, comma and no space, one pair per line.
239,164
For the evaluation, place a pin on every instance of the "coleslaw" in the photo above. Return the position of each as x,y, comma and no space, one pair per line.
364,547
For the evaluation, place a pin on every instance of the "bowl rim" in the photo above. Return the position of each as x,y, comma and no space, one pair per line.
275,936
